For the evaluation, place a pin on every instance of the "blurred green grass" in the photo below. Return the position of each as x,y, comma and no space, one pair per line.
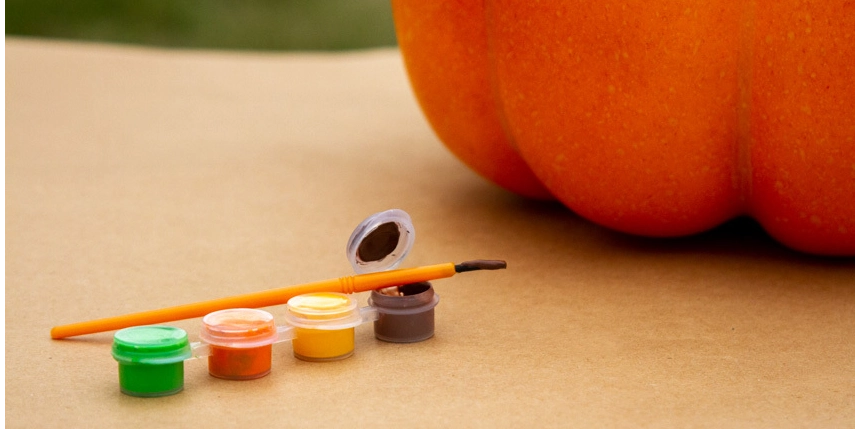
306,25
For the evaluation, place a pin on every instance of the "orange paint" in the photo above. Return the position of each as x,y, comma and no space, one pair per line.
240,364
240,342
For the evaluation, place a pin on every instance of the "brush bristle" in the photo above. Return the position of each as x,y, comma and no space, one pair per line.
481,264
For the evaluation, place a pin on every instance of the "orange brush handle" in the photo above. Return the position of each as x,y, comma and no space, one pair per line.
266,298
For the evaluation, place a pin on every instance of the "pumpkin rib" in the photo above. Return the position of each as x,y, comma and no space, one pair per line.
744,111
802,126
450,82
586,136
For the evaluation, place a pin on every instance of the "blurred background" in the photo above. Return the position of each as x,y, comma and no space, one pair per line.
305,25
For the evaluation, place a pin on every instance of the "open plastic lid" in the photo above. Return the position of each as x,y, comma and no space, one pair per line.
381,241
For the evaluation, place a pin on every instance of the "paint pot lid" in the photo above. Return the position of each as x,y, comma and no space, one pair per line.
323,310
151,345
239,328
381,241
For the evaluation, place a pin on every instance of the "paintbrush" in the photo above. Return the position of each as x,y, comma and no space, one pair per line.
348,284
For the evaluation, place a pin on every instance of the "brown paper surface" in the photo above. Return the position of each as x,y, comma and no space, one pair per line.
142,178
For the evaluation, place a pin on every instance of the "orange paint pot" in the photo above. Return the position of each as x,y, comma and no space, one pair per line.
239,342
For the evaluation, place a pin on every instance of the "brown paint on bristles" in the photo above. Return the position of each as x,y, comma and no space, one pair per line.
481,264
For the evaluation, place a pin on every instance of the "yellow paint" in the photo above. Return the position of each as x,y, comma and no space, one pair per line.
322,344
321,306
319,344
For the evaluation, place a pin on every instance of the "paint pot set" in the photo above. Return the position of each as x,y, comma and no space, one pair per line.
321,325
321,316
238,342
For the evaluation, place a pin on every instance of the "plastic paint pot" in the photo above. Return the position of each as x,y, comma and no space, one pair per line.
240,341
380,243
151,360
407,317
324,325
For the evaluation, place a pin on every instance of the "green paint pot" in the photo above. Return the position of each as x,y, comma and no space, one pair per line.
151,360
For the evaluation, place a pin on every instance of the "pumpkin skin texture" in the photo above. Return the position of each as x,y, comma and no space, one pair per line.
449,71
661,118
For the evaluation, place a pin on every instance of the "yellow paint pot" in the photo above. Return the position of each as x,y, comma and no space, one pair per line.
324,325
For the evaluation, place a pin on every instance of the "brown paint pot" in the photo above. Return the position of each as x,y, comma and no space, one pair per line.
408,317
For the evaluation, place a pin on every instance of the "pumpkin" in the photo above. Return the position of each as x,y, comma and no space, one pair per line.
657,118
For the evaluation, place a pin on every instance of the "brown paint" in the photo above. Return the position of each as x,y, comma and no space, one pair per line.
481,264
396,323
380,242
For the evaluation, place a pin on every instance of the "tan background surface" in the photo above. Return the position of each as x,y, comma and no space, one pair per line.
139,178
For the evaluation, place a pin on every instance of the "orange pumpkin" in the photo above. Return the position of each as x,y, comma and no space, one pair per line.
659,118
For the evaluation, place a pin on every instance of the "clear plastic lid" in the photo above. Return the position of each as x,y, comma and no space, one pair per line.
239,328
153,345
381,241
323,310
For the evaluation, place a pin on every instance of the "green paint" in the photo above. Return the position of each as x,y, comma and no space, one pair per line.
151,360
151,380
